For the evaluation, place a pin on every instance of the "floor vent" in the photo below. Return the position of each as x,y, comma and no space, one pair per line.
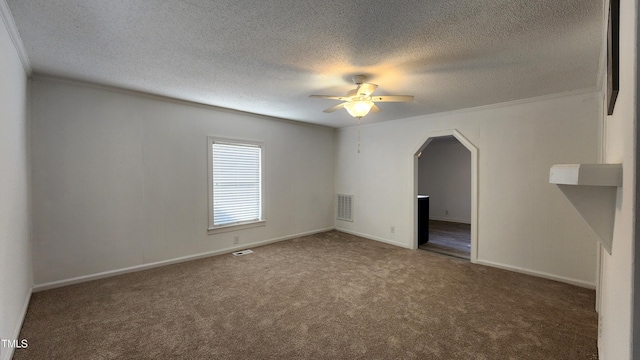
243,252
345,207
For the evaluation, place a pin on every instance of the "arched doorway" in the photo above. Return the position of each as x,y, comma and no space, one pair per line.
440,138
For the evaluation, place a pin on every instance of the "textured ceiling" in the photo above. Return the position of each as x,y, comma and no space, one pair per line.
267,57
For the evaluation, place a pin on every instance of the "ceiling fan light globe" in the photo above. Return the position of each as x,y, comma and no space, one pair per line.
358,108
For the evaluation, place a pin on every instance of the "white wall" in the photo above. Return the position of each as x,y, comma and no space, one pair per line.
15,263
524,223
120,179
617,278
445,175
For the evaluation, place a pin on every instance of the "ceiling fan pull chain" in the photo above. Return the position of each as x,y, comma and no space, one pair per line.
359,134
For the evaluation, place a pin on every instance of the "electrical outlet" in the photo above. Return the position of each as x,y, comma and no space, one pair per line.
236,240
393,229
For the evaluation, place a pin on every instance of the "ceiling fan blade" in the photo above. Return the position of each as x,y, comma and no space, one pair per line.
374,109
393,98
366,89
343,98
334,108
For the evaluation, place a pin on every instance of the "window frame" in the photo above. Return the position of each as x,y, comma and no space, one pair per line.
211,140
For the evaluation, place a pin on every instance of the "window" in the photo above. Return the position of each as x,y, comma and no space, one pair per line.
235,184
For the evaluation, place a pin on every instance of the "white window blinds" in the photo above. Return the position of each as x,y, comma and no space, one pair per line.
237,190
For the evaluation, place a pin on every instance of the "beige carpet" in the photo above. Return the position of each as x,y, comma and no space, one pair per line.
327,296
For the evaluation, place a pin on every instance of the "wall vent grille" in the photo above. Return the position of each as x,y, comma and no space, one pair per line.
345,207
243,252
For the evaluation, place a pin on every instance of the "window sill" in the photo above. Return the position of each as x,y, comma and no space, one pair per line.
235,227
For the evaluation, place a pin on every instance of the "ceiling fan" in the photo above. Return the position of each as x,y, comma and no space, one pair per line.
360,101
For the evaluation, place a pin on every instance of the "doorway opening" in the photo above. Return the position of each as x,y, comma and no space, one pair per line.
445,189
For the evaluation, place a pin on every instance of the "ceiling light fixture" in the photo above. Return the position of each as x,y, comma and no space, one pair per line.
360,101
358,108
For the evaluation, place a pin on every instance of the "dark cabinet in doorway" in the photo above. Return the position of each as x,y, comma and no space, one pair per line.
423,219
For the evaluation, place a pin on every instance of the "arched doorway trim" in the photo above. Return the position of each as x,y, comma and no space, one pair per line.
474,185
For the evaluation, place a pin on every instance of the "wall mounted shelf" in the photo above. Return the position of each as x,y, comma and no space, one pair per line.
592,190
586,174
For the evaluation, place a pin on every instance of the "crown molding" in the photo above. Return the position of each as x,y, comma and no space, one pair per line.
12,29
499,105
147,95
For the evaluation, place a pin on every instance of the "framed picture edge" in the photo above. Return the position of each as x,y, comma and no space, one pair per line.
613,49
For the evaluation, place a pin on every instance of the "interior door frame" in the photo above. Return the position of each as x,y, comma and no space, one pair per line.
474,185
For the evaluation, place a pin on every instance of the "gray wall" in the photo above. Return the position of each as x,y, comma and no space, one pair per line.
444,173
120,179
616,288
524,223
15,264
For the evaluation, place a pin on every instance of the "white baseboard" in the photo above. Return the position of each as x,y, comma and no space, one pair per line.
85,278
449,220
371,237
7,353
80,279
566,280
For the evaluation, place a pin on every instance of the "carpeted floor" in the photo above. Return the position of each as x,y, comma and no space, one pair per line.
326,296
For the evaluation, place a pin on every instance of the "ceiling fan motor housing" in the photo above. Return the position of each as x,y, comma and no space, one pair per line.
358,79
